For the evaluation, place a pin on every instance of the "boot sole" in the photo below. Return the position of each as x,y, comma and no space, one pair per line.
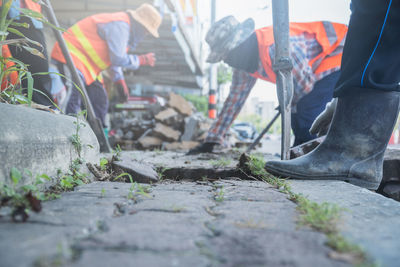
352,180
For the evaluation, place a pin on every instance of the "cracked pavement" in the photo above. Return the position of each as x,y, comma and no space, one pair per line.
225,223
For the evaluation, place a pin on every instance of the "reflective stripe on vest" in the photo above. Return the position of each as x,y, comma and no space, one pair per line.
81,57
92,53
329,35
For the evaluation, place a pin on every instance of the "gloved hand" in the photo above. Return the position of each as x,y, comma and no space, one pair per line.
203,148
321,124
122,90
148,59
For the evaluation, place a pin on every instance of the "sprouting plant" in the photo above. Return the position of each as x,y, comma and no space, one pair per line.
103,164
161,172
223,162
75,138
21,198
219,194
117,153
136,190
103,193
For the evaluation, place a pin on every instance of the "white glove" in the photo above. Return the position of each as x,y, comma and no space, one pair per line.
321,124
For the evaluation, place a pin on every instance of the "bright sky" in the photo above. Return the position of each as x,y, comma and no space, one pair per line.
260,11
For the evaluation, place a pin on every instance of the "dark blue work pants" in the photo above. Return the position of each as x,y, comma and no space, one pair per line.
371,55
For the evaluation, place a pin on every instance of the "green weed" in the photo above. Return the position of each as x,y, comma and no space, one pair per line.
219,194
103,164
221,163
322,217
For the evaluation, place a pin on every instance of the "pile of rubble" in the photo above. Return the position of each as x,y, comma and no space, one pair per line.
174,126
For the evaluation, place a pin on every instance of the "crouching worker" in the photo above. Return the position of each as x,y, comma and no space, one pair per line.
101,42
316,51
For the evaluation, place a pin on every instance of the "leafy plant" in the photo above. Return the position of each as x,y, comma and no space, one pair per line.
161,172
22,198
103,164
223,162
219,194
13,92
322,217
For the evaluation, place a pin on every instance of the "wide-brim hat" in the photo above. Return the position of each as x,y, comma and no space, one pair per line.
148,16
225,35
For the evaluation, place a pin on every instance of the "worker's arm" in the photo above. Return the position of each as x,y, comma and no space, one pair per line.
242,83
117,34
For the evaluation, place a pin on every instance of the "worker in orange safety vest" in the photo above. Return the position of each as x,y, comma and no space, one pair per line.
34,63
316,52
101,42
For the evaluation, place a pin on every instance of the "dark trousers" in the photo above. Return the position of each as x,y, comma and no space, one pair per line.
310,106
35,63
371,55
97,95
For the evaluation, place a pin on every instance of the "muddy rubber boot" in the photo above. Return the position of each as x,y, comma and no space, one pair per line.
355,144
202,148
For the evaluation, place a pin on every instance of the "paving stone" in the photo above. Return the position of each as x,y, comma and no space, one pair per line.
370,220
43,149
140,172
177,224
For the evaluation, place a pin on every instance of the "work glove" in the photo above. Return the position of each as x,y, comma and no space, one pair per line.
321,124
203,148
148,59
122,90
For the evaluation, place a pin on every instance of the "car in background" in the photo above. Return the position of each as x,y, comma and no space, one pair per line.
245,131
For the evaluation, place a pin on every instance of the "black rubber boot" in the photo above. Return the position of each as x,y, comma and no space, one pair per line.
202,148
355,144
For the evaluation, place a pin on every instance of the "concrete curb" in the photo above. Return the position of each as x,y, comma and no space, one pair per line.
40,142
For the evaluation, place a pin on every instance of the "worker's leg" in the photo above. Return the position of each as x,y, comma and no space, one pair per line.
74,101
233,104
368,102
99,99
310,106
35,63
372,51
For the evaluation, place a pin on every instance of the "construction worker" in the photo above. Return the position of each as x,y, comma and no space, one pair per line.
367,102
34,63
101,42
316,50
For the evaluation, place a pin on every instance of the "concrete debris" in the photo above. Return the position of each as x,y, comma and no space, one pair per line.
149,142
167,132
166,115
184,145
180,104
140,172
175,126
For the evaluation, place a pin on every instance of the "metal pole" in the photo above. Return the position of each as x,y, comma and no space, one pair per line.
94,122
213,81
283,69
255,143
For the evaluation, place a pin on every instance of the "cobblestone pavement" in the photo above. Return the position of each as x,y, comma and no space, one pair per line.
226,223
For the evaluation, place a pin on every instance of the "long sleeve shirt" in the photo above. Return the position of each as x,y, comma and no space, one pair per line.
119,37
303,49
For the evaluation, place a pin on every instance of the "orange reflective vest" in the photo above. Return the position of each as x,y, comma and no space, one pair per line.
328,34
33,6
88,50
10,77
